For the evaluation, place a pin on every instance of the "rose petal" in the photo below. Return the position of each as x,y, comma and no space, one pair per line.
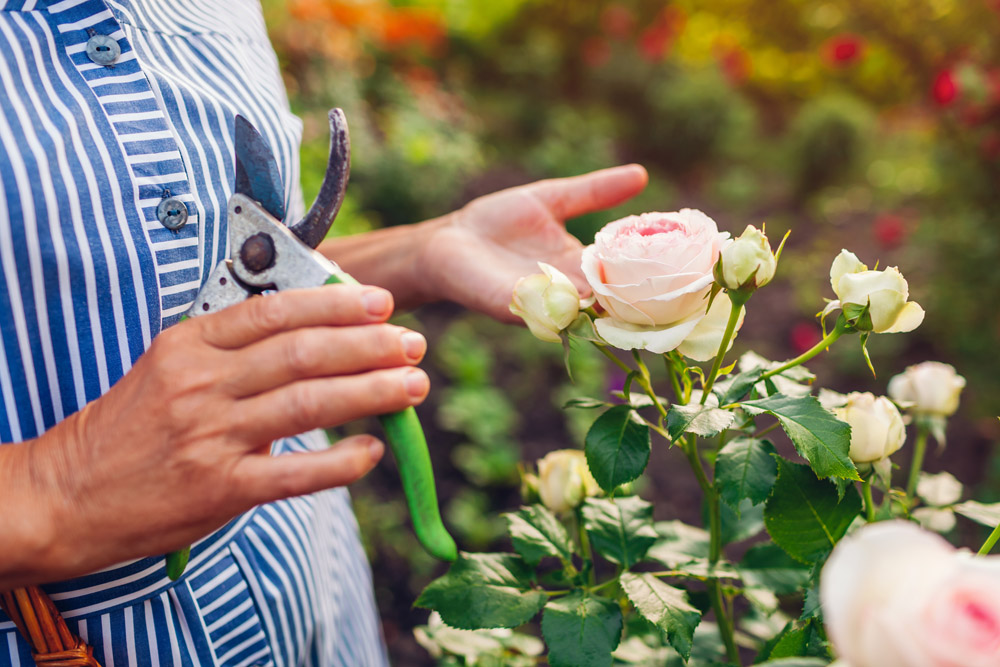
846,262
627,336
908,319
703,342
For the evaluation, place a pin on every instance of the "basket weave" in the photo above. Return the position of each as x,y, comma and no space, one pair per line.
43,627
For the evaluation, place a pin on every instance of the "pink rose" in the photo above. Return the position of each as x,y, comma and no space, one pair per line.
894,595
652,274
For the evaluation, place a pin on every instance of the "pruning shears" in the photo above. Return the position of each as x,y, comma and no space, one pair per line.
268,254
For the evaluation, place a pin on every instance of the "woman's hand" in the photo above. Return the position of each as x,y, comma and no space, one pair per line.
475,255
181,444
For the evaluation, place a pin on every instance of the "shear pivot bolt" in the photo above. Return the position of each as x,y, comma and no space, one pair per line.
257,253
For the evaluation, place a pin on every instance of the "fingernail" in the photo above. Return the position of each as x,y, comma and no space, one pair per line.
375,450
414,345
417,384
376,302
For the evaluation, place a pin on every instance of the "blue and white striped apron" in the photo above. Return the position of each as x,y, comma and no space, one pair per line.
89,275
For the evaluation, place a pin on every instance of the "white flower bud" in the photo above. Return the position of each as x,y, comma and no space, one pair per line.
876,426
929,388
747,262
939,490
885,293
564,479
547,302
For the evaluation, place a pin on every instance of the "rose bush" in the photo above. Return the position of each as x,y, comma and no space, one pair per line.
872,300
894,595
652,274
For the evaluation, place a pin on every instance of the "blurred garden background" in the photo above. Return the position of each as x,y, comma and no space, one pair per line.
868,125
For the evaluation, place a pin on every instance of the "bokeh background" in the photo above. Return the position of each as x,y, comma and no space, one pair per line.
868,125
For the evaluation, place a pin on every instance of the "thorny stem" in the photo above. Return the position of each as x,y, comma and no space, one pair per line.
674,381
611,355
838,330
734,317
588,554
866,491
916,465
990,542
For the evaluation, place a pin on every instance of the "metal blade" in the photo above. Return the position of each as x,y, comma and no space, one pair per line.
313,228
257,174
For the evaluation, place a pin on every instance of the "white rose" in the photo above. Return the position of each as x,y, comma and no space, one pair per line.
704,340
930,388
884,292
939,490
547,302
877,428
746,262
894,595
564,479
652,274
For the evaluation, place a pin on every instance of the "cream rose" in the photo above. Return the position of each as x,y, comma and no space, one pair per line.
652,274
929,388
884,292
877,428
564,479
548,302
746,262
894,595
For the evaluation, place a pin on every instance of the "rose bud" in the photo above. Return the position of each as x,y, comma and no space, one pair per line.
876,426
883,293
547,302
894,595
746,263
652,274
564,479
930,388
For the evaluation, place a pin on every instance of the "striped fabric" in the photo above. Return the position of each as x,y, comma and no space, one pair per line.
89,276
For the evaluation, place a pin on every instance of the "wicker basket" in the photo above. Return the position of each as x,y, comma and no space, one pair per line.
41,624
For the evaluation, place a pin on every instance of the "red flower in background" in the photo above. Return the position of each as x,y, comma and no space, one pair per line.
656,39
844,49
944,90
617,21
734,61
803,336
991,146
889,230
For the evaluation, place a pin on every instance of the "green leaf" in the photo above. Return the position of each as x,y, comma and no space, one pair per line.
585,403
741,523
745,468
484,591
803,514
583,328
768,566
736,387
818,436
678,543
665,606
982,513
537,533
701,420
620,529
581,630
617,447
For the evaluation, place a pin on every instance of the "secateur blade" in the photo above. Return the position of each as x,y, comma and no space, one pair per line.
257,174
313,228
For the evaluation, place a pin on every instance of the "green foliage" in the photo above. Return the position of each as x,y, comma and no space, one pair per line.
745,468
581,630
702,420
804,516
536,533
828,138
768,566
620,529
617,447
818,436
664,606
484,591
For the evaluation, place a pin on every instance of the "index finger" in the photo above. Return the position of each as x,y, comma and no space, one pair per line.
598,190
263,316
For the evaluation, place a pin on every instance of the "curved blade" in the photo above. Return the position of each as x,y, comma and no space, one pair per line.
314,226
257,174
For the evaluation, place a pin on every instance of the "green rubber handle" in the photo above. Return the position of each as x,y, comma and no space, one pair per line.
406,440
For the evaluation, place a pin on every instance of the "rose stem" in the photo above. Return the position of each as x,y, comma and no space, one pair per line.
839,329
916,465
737,300
690,448
990,541
866,491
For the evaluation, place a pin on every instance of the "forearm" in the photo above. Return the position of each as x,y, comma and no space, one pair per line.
390,258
